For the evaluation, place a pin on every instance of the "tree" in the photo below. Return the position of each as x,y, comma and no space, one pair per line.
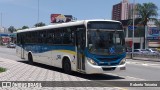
18,29
147,12
11,29
25,27
39,24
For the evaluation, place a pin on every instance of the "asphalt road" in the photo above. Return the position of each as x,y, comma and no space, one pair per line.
142,70
136,70
9,53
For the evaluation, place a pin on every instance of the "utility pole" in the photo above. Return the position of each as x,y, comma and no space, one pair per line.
133,29
1,19
38,13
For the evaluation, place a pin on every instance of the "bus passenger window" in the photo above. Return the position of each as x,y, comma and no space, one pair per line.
67,36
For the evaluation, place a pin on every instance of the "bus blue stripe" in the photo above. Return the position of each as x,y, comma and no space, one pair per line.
45,48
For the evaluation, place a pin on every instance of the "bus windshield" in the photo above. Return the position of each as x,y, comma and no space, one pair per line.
106,41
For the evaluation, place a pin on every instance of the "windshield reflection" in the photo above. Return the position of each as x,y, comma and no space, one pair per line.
106,42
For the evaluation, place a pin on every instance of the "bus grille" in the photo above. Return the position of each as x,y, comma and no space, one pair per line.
109,69
109,64
107,59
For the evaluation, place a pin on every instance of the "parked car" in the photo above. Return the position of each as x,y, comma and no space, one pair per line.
153,51
11,45
140,51
128,49
158,49
5,44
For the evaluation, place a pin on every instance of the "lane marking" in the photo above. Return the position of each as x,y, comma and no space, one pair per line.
145,64
136,78
127,77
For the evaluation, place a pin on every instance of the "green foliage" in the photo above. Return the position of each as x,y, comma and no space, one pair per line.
11,29
25,27
39,24
147,12
2,69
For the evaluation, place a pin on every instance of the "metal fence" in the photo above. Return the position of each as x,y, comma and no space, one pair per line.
152,57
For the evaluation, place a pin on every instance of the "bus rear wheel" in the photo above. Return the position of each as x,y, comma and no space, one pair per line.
67,66
30,59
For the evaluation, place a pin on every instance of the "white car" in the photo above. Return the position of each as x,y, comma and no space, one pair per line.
140,51
152,51
11,45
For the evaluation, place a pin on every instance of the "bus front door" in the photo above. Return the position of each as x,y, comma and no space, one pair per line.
80,41
22,51
22,47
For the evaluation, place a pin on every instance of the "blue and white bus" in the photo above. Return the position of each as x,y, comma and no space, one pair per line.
87,46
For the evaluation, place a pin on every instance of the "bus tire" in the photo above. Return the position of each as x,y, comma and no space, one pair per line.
67,66
30,59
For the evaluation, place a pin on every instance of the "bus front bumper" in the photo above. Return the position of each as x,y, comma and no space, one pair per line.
94,69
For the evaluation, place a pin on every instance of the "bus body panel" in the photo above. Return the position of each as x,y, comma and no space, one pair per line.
92,69
53,55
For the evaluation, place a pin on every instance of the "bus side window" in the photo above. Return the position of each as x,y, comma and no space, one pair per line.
58,36
40,35
82,36
18,39
50,36
67,36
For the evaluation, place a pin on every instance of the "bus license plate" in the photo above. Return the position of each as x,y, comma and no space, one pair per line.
122,68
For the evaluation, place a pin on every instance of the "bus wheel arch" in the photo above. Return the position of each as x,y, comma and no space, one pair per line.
66,65
30,58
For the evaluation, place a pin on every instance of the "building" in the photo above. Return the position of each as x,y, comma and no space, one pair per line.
130,12
123,12
4,39
4,36
2,30
152,35
120,11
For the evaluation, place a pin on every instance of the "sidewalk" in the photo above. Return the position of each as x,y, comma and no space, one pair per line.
18,71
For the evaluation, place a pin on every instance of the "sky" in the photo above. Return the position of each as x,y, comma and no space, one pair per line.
18,13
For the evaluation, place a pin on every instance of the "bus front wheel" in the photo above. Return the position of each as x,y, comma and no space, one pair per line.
30,59
67,66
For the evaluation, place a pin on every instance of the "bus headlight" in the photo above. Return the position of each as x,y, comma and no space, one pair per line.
123,61
91,61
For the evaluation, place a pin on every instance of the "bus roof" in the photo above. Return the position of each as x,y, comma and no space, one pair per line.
80,22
